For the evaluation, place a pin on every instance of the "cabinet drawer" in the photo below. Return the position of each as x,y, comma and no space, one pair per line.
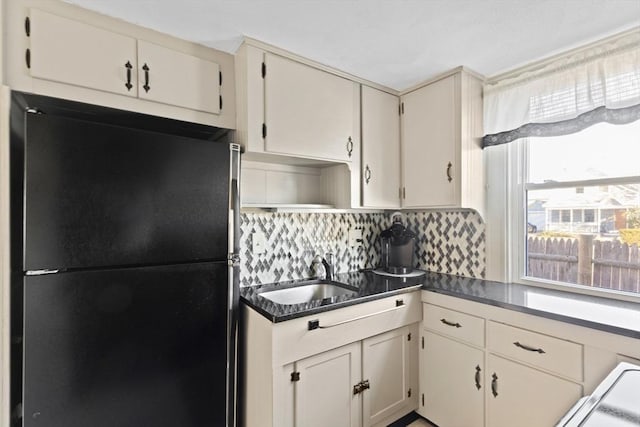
454,324
294,340
553,354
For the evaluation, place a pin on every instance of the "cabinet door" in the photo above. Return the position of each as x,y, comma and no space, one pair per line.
525,396
385,364
68,51
452,382
324,393
308,112
429,145
176,78
380,149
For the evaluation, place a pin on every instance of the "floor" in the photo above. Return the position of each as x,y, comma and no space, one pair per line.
420,423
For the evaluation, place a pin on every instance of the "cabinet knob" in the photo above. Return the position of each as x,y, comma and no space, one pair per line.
349,146
367,174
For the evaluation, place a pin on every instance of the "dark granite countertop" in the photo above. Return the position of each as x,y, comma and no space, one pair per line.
367,286
609,315
605,314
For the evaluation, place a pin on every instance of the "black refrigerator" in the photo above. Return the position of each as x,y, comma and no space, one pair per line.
124,254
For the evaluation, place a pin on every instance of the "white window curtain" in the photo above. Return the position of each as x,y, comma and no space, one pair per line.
566,94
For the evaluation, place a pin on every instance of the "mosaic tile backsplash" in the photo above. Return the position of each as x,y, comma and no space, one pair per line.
448,242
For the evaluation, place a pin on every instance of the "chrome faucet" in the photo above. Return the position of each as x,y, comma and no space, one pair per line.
329,266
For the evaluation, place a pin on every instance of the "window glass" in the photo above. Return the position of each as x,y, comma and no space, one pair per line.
600,151
583,208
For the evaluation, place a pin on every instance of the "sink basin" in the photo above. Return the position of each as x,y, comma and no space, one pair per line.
307,292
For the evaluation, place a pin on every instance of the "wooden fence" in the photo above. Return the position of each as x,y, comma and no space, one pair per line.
584,260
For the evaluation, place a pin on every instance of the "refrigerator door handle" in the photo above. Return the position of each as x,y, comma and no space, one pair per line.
40,272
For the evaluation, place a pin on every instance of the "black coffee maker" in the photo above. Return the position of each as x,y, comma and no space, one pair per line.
398,243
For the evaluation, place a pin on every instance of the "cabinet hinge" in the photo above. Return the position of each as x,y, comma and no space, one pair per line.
220,78
264,130
264,70
409,393
27,26
295,376
409,336
220,102
422,342
422,399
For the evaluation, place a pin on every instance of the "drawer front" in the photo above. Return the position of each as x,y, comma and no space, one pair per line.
457,325
296,339
553,354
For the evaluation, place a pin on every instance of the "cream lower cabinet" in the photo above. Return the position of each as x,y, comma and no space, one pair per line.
360,384
323,388
358,369
387,368
452,365
522,396
478,370
452,381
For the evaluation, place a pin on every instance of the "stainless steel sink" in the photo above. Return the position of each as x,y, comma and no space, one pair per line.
308,291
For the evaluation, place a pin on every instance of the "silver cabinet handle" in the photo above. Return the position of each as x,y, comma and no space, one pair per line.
315,324
349,146
526,347
449,177
367,174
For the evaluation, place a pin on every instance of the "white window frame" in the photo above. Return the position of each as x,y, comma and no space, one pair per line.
507,171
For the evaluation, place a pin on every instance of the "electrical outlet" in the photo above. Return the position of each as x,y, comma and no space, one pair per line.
355,237
259,243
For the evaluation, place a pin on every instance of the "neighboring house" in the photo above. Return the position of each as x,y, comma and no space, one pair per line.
589,209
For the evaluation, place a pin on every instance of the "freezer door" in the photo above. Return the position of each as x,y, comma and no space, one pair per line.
131,347
105,195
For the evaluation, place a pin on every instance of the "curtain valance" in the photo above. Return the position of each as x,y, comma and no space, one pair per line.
574,91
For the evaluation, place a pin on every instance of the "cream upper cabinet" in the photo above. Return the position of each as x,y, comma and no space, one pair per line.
523,396
441,144
380,149
323,393
67,51
451,376
179,79
72,52
309,112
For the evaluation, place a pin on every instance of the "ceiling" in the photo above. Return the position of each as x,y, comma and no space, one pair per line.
397,43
